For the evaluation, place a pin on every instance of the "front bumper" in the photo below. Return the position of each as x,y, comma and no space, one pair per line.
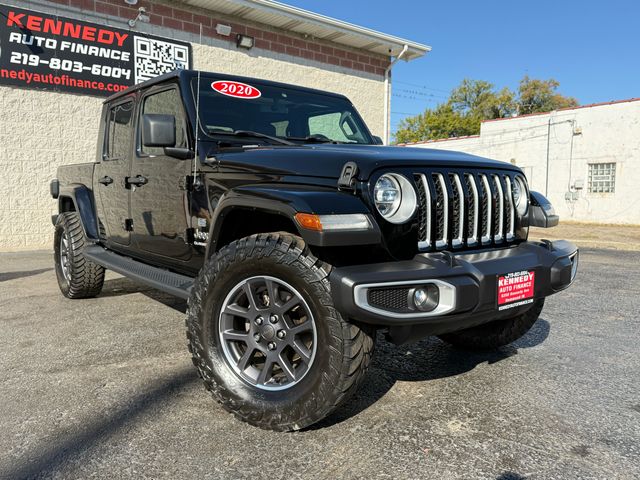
468,284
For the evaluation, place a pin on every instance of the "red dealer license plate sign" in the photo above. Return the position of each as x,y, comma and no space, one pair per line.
515,289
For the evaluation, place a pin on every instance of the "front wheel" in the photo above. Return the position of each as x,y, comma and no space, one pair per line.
77,276
266,338
497,333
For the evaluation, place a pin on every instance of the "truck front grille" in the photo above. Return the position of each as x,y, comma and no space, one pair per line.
464,209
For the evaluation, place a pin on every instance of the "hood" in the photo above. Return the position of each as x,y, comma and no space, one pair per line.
327,160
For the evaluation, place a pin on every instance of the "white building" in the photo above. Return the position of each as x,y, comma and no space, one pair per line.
585,159
52,119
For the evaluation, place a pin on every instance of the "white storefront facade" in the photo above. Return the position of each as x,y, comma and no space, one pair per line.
585,159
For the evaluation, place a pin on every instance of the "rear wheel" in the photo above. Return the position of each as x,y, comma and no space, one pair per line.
495,334
266,338
77,276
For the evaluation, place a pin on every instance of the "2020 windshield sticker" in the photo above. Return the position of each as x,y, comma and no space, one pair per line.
236,89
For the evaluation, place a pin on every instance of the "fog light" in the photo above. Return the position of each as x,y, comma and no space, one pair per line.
420,297
425,298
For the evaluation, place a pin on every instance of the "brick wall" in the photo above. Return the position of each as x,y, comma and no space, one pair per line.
38,132
179,18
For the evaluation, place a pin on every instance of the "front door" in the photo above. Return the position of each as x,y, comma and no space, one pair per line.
111,172
159,206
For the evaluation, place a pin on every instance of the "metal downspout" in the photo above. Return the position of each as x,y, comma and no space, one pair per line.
387,96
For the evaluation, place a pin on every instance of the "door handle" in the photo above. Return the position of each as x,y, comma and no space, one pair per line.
106,180
138,181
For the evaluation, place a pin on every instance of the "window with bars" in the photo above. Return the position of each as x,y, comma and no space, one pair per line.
602,177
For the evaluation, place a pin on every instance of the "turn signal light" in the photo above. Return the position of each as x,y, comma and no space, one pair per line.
334,223
309,221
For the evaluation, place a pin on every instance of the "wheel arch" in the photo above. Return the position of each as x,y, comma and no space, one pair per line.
240,221
263,208
79,198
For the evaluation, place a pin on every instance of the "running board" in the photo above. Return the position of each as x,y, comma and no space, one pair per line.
169,282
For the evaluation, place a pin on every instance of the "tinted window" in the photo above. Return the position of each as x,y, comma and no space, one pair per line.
336,126
118,131
279,111
167,102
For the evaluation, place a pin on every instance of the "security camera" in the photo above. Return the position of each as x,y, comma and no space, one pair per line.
142,17
131,2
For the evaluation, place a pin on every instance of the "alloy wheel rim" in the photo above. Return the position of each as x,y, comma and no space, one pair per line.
268,333
64,256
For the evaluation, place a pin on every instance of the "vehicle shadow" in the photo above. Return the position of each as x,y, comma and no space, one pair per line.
510,476
5,277
61,449
116,287
428,359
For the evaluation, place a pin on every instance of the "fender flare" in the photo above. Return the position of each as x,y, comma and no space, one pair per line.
82,198
289,200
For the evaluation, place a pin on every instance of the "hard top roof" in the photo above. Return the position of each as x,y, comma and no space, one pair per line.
187,75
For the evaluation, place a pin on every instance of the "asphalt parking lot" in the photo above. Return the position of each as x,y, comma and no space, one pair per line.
104,388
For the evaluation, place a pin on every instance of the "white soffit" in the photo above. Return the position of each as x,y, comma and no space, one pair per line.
314,25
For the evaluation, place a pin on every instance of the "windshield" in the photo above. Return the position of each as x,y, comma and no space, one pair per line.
229,108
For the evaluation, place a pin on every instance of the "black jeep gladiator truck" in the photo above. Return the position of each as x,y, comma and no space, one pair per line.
295,235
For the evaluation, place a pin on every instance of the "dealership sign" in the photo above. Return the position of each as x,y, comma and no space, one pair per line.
49,52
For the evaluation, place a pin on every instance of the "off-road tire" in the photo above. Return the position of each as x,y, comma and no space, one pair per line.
496,334
85,278
343,349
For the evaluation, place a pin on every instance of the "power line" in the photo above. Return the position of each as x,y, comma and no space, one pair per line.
421,86
406,113
419,93
413,97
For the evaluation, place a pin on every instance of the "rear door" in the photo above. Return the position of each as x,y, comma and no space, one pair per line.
112,170
160,208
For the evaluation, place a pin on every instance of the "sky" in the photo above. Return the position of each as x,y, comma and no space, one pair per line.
591,48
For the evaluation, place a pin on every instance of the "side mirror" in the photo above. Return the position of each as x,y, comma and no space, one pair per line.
541,212
377,140
158,130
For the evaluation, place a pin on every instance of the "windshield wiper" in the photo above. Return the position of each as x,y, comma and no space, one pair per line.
313,139
250,134
319,139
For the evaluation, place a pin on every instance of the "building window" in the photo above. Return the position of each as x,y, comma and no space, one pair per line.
602,177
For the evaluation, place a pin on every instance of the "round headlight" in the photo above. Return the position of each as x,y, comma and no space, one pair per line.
387,195
520,196
395,198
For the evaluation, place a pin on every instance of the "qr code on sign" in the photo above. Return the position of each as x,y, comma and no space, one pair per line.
155,57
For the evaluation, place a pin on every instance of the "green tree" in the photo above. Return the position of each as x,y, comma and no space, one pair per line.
440,122
535,96
478,99
473,101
